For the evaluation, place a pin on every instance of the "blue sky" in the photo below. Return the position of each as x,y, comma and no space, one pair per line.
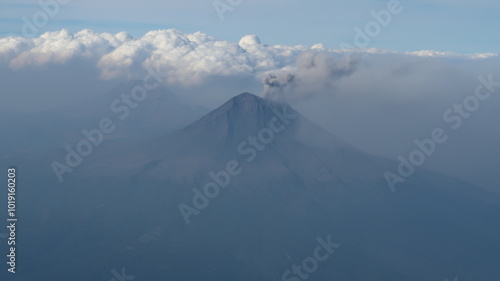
443,25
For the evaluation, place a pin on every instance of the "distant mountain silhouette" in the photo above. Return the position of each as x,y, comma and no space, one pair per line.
243,193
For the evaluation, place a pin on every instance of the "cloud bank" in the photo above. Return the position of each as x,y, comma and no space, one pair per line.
187,58
190,59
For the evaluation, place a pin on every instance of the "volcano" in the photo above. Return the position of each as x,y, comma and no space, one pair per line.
283,186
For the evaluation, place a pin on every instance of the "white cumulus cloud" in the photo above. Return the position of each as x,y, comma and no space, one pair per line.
189,59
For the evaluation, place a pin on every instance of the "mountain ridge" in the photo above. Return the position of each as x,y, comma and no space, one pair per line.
300,185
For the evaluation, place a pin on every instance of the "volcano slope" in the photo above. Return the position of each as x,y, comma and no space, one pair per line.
245,193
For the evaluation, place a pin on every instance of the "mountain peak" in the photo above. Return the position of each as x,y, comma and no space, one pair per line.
245,101
247,95
244,104
243,114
